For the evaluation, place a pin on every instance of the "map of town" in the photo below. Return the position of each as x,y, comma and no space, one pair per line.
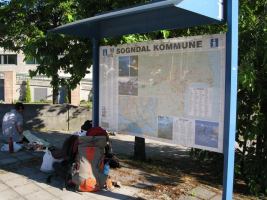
138,115
174,95
164,83
168,77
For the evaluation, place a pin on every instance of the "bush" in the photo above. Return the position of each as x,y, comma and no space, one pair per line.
28,97
66,99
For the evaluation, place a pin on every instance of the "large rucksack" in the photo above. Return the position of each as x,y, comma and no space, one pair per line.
84,161
89,175
109,156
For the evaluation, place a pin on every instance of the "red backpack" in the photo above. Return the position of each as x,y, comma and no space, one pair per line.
97,131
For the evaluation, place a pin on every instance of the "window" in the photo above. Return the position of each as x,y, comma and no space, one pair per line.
40,94
8,59
31,61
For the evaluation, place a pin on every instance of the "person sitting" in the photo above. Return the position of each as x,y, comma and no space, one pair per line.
84,128
12,125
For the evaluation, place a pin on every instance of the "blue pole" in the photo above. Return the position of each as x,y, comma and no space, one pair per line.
95,82
230,98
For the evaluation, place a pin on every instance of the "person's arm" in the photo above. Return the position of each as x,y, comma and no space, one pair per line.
19,129
19,124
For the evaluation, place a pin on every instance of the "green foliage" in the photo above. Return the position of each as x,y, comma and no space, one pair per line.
66,99
165,33
28,97
251,156
25,29
251,160
87,104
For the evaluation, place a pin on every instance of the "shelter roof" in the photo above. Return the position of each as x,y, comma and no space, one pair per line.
157,15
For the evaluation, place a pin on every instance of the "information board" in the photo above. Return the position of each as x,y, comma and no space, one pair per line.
172,90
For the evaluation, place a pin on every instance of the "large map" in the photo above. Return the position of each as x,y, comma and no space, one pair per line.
171,90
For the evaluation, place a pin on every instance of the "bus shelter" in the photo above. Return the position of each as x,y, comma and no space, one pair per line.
171,14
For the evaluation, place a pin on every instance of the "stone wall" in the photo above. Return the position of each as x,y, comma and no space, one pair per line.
61,117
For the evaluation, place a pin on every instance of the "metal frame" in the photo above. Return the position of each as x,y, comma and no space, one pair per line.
96,77
230,98
164,14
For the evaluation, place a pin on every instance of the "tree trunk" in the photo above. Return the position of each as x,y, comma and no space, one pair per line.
55,95
69,94
55,85
140,149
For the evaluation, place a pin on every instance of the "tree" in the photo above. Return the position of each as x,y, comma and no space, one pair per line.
251,159
25,29
25,25
2,26
28,97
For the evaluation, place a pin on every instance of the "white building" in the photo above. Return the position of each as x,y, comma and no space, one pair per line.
14,72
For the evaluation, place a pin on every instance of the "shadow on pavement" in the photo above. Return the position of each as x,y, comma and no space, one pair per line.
165,165
171,160
24,169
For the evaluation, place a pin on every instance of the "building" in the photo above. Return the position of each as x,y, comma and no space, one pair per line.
14,72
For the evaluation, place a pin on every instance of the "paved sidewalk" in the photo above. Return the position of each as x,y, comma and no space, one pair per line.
20,177
24,180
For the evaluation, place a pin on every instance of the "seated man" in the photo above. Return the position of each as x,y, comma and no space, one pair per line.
12,125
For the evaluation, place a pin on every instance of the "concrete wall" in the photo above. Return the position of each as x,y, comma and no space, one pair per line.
51,117
9,85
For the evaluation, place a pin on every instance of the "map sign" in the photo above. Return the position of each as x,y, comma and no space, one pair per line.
171,90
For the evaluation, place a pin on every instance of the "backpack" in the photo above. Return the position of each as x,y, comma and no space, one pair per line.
89,175
110,158
85,161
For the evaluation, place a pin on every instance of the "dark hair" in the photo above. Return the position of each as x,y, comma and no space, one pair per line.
86,125
19,106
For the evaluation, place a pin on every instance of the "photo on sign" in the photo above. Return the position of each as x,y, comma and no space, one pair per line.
134,66
206,133
165,127
124,65
128,86
128,66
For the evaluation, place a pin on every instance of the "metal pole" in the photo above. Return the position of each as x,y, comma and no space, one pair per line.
95,82
230,98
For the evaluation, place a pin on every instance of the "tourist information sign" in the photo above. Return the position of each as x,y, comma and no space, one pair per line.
171,90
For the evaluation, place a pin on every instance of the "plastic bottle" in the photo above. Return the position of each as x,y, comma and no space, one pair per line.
10,145
106,169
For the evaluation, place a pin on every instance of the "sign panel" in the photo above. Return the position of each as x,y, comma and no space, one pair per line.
171,90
